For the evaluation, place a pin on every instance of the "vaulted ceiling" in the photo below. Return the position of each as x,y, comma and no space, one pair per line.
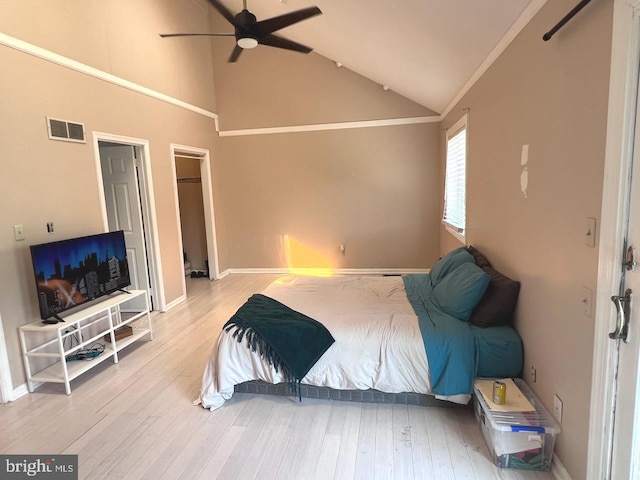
425,50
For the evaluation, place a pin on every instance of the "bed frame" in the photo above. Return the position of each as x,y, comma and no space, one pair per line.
363,396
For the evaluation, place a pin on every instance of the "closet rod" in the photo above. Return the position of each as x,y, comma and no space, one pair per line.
568,16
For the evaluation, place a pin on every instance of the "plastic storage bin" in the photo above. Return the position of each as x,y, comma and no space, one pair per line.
521,440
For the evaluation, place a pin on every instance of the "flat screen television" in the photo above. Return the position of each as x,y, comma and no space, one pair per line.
72,272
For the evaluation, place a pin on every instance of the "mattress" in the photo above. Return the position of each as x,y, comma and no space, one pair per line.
378,342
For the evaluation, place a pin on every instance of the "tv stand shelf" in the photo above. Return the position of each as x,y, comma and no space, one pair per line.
79,332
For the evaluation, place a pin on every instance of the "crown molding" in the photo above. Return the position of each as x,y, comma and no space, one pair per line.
331,126
71,64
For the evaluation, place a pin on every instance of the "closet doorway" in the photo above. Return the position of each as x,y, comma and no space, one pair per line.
194,209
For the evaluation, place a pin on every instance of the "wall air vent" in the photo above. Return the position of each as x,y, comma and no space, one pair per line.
64,130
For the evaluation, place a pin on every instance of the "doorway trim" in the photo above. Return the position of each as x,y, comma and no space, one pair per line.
207,196
6,387
147,199
619,149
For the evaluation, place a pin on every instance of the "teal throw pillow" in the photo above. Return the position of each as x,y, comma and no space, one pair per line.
449,263
460,290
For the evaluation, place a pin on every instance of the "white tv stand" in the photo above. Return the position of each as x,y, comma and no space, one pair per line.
80,331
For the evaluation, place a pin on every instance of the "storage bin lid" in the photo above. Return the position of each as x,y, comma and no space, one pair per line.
539,421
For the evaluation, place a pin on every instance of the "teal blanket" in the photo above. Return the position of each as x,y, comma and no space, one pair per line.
289,340
449,342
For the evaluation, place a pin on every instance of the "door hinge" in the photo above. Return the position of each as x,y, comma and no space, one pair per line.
630,263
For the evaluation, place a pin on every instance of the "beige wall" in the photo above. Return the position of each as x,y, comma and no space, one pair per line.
551,96
122,38
374,190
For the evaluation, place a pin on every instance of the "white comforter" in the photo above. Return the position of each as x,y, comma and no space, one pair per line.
378,342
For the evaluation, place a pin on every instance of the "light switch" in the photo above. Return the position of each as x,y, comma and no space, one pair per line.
590,232
557,408
18,232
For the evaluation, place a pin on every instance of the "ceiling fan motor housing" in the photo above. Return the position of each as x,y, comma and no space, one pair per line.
247,33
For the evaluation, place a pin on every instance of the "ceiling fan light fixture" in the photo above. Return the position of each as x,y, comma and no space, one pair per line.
247,42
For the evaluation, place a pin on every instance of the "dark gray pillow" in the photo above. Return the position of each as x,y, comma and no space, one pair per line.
498,303
479,258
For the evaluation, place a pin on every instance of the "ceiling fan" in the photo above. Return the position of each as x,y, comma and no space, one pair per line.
250,33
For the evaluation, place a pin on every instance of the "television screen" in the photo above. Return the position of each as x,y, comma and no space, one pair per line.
75,271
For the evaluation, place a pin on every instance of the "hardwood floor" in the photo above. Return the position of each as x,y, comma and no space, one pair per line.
135,419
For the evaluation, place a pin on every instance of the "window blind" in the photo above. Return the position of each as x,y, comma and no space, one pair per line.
455,180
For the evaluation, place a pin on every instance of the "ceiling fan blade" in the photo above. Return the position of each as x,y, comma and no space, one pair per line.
279,42
224,11
276,23
165,35
235,54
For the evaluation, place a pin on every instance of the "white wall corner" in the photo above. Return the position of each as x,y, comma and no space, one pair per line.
223,274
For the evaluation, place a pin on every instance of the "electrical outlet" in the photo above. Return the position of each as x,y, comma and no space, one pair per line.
533,374
557,408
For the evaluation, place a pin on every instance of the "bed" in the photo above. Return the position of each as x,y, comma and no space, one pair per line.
392,334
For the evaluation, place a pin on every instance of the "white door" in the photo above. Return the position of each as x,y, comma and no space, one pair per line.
614,430
626,447
122,199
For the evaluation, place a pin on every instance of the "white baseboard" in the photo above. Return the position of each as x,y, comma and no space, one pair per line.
327,271
18,392
558,470
174,303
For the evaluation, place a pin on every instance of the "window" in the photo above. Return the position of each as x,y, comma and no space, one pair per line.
455,184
